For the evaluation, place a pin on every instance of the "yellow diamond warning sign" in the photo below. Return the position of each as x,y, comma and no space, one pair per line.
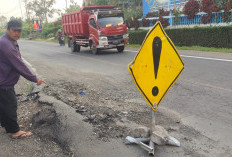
156,66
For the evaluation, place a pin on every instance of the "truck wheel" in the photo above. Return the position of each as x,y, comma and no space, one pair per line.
94,50
73,46
120,48
78,48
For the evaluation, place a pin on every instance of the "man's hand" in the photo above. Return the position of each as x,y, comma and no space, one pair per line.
39,82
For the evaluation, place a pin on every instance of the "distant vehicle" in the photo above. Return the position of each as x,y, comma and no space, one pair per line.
99,27
61,38
61,41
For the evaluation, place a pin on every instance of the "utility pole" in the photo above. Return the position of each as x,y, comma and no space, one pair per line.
21,8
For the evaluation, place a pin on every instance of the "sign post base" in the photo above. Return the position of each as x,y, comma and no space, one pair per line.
158,136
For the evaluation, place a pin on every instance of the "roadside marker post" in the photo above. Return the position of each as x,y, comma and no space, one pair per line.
154,70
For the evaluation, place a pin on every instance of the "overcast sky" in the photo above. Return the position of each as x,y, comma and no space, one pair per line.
10,8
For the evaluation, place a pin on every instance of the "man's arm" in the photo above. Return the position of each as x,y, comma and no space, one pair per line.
17,63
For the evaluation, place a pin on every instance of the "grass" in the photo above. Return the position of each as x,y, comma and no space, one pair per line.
195,48
208,49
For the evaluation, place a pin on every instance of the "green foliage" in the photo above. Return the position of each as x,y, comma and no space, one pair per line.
1,33
218,37
136,13
42,8
73,7
3,21
129,11
137,37
50,30
27,28
100,2
177,13
16,18
221,3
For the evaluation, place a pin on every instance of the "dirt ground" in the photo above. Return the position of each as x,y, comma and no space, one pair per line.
111,109
36,145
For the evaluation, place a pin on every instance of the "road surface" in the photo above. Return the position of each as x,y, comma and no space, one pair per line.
201,96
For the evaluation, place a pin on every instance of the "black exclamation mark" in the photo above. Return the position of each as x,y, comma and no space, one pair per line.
156,47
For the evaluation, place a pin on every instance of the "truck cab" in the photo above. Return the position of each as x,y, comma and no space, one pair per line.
107,30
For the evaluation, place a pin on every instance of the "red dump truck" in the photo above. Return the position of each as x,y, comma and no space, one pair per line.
99,27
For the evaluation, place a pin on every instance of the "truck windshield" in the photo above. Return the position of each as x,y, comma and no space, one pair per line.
110,21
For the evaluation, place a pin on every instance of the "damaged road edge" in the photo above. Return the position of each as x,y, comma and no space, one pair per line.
47,121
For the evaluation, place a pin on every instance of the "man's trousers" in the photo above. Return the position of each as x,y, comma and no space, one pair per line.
8,110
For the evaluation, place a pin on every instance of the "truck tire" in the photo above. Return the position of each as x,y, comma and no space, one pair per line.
73,46
69,45
78,48
120,48
94,49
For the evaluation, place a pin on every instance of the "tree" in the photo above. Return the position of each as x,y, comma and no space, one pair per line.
135,13
3,21
27,8
207,6
131,8
222,3
43,9
119,3
16,18
191,8
73,7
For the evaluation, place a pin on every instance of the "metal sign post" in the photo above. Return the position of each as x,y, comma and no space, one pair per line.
154,70
141,141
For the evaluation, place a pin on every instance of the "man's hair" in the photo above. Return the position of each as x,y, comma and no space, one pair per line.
15,25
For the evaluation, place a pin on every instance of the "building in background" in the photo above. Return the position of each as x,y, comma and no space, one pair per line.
155,5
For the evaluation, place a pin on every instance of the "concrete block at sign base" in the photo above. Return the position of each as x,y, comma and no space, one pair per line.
141,131
159,135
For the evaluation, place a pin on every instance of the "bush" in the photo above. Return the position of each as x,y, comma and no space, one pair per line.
163,21
27,29
152,14
207,6
191,8
137,37
133,23
215,8
145,22
50,30
227,14
218,37
163,13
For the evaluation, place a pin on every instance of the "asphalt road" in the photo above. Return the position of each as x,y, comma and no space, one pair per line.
203,97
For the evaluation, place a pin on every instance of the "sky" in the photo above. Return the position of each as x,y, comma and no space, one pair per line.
10,8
